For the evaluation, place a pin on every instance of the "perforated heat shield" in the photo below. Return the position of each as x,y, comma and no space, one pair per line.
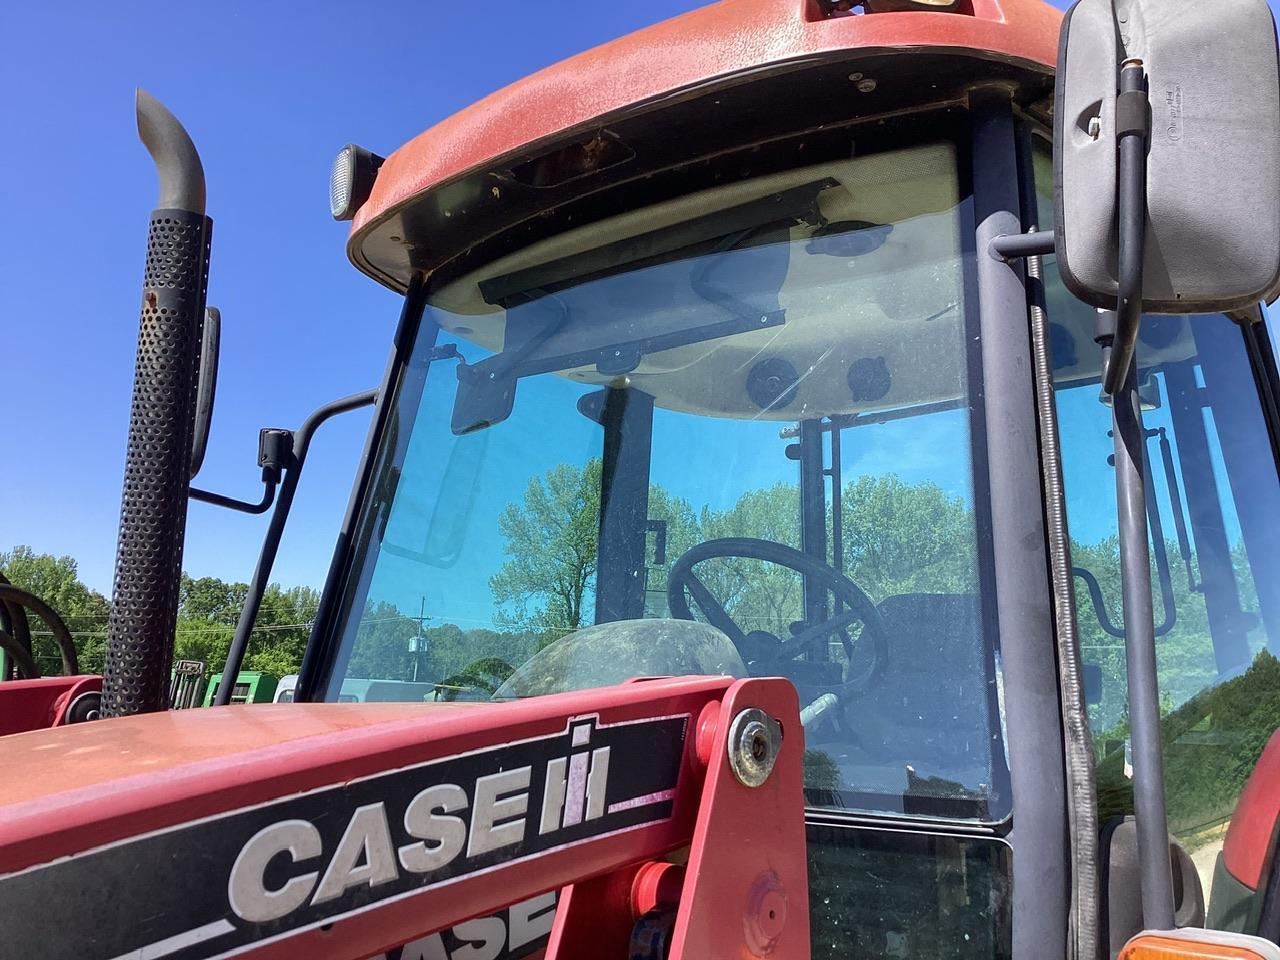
154,507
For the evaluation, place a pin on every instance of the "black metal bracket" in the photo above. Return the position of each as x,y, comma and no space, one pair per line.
275,455
1121,382
278,450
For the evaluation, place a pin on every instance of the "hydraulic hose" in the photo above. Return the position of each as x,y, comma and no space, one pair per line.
13,621
61,635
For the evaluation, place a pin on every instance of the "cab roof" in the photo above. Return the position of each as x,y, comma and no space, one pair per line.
722,45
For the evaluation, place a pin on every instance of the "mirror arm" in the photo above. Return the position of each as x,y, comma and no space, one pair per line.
294,461
1132,132
269,483
1019,246
274,457
1121,381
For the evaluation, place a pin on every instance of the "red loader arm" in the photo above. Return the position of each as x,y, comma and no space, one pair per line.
342,830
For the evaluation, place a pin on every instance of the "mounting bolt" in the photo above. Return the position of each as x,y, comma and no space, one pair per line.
1095,127
754,741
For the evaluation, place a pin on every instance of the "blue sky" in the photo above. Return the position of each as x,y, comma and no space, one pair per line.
269,93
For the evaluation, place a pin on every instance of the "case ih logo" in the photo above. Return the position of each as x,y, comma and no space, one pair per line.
214,887
514,933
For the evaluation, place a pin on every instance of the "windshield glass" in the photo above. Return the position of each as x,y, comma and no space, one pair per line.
724,435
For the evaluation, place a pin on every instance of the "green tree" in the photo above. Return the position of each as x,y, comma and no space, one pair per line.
551,539
907,538
381,650
211,599
280,633
209,610
898,538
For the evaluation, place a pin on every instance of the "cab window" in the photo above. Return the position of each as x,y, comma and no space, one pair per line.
1214,523
727,434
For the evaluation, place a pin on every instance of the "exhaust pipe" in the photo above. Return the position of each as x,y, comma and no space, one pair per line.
153,512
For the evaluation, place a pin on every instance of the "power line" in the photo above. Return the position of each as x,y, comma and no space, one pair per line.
184,632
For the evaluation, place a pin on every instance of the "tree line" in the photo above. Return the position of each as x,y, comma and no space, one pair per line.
208,611
897,538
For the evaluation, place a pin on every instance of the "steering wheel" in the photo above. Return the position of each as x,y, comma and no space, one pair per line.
859,607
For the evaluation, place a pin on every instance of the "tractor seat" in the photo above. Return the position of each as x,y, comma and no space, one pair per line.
928,707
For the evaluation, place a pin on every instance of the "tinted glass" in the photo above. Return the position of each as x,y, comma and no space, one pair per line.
906,895
729,434
1214,523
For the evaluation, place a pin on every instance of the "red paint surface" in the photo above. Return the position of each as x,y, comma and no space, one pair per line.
726,38
1253,825
79,788
745,889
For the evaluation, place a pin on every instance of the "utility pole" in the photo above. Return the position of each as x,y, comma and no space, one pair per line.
419,641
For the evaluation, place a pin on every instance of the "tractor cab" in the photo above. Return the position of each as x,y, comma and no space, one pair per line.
713,372
835,341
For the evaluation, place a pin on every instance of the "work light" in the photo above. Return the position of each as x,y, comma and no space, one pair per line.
351,180
830,7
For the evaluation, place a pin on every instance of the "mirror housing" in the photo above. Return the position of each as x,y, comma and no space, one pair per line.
206,386
1213,151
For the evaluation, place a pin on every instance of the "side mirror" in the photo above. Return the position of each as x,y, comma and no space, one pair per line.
1210,114
206,386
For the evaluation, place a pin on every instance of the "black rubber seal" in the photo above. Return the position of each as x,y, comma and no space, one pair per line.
1133,114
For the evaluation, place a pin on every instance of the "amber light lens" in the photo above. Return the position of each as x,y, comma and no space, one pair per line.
897,6
1149,946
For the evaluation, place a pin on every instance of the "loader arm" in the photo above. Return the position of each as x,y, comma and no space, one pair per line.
343,830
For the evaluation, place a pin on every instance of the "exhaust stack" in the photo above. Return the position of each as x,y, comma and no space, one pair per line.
153,511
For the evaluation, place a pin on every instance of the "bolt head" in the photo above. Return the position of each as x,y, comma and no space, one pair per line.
753,744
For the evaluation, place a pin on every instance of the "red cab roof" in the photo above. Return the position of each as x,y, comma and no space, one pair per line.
723,40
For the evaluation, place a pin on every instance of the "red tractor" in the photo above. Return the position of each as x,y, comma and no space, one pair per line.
885,381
